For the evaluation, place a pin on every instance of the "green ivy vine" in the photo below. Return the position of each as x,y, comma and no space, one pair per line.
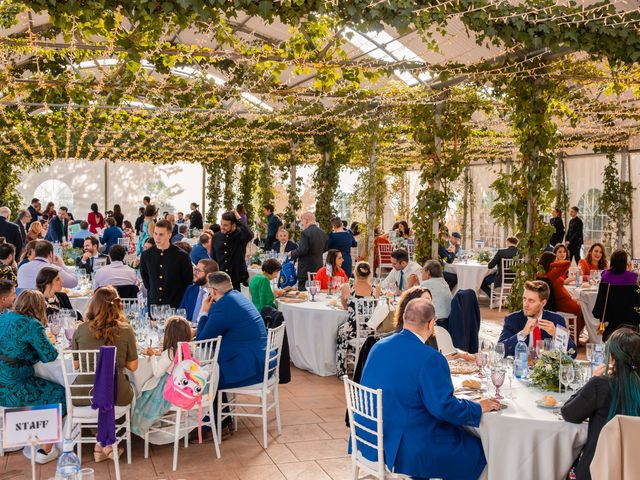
214,171
248,183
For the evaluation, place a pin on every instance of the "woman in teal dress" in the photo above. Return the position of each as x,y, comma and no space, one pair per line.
147,227
23,343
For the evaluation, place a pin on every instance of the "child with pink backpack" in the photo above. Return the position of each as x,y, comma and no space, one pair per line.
152,403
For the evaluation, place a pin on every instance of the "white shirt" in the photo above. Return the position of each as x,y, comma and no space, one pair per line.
422,340
116,273
392,282
28,272
441,295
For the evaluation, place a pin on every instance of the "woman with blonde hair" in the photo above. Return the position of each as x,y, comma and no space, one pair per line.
106,324
36,231
23,343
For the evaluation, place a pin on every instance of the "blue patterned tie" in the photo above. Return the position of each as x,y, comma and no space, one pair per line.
196,310
401,280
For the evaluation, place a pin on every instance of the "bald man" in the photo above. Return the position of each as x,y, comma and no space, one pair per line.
311,246
424,434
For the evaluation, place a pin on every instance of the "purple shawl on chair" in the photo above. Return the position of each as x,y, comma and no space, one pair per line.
105,390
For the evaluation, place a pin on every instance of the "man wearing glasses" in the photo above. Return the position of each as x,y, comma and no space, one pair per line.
196,293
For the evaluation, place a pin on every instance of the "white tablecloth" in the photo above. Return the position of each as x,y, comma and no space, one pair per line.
470,275
526,442
587,300
312,330
80,303
253,272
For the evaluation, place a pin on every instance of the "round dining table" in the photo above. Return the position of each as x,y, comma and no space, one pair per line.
586,298
470,274
525,441
312,331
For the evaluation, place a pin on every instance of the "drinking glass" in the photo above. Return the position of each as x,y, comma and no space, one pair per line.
480,363
509,365
155,310
566,375
590,350
497,378
499,351
86,474
539,348
181,312
578,377
69,325
313,290
486,345
54,325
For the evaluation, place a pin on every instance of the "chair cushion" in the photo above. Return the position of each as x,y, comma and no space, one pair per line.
88,412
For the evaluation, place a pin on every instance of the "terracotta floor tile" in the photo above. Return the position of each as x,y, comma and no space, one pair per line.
293,417
303,471
337,468
263,472
334,414
319,449
336,429
319,401
280,453
301,433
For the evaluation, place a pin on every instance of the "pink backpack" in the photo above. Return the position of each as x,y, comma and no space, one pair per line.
185,385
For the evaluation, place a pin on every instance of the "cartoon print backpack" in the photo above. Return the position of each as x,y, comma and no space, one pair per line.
288,277
185,385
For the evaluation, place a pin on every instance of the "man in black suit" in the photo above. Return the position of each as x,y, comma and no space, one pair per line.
35,211
496,262
10,231
574,238
557,223
87,260
311,246
23,219
229,247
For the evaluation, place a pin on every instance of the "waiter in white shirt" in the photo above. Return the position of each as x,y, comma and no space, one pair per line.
405,274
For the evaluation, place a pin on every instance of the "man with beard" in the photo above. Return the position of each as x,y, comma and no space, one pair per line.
194,294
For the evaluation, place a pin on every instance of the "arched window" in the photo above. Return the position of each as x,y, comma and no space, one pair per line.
592,217
55,191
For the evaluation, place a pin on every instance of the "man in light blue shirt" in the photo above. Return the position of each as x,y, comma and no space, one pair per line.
28,272
440,291
116,273
80,235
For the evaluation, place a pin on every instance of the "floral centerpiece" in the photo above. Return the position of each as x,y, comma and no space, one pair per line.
545,374
69,254
483,256
256,258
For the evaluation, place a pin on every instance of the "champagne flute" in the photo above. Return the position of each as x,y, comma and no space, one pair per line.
499,351
566,375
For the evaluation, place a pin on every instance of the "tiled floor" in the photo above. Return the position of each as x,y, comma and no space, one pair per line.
313,443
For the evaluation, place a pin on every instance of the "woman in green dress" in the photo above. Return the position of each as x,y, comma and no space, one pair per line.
23,343
260,286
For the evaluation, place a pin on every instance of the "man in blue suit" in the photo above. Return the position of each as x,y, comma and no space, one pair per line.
423,423
201,249
533,322
195,293
58,226
244,336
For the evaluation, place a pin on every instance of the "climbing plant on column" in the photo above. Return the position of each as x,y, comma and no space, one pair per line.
214,172
248,183
615,201
326,176
228,183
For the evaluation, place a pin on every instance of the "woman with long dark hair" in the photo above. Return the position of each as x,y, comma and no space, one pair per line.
596,259
332,268
49,283
95,219
613,390
118,215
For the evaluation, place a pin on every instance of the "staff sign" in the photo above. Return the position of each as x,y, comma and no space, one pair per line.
26,425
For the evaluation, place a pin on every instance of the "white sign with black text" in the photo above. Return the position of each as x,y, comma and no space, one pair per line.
29,425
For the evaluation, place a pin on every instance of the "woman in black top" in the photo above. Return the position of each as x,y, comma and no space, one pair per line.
49,283
607,394
117,215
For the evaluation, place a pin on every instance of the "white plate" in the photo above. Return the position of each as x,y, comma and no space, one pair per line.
540,403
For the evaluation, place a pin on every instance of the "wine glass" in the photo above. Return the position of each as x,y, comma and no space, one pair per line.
69,324
566,375
155,310
589,351
499,351
181,312
54,325
509,366
313,290
497,378
480,363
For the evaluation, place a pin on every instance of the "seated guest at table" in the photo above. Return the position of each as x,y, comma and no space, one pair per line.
423,422
440,291
283,244
532,323
106,325
448,254
607,394
182,233
361,288
555,272
8,267
80,235
200,250
151,404
341,239
58,229
116,273
195,293
562,253
7,295
185,247
404,274
596,259
262,295
310,249
617,274
36,231
111,234
332,268
44,257
28,253
166,270
90,254
49,283
23,343
496,262
244,337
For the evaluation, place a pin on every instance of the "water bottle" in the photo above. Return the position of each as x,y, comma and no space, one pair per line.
521,363
579,278
68,463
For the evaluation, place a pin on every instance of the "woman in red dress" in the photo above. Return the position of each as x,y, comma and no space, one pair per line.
95,219
596,259
331,269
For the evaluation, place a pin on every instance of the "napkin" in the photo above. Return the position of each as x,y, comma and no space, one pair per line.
379,315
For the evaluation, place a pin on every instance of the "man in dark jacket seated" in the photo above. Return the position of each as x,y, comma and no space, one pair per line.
533,322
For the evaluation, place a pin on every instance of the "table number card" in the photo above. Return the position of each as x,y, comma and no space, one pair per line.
561,339
26,425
